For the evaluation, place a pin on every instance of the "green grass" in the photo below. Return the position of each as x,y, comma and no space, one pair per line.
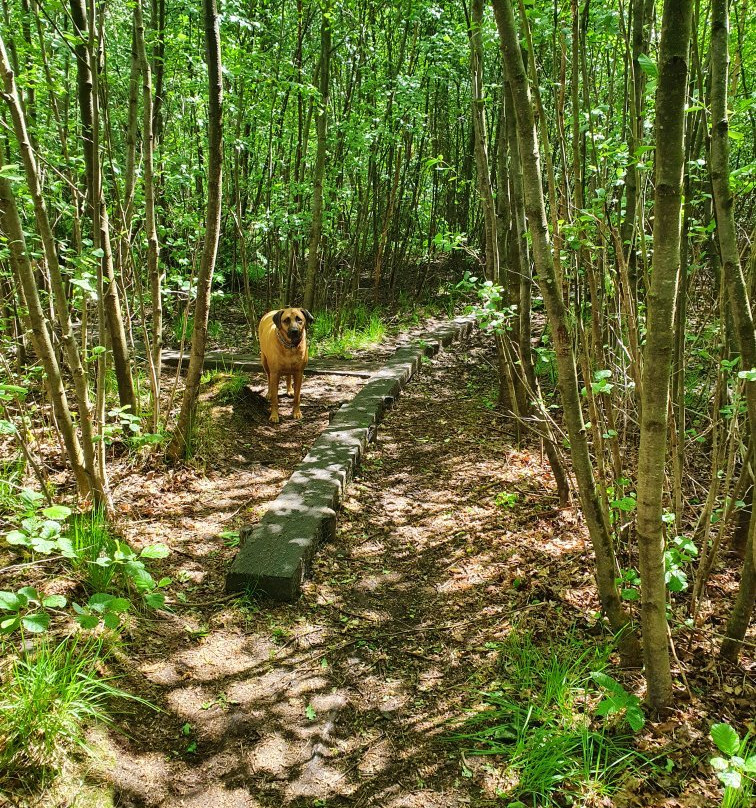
357,329
538,722
90,538
48,696
232,389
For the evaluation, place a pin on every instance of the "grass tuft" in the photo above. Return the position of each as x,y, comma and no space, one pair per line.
48,696
539,722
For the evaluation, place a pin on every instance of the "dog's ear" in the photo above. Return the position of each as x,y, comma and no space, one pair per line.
277,318
308,317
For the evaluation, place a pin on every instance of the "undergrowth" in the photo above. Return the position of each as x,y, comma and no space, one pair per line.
538,725
48,695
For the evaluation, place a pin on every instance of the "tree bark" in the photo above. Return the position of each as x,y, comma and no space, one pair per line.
153,246
606,563
740,307
41,334
321,125
96,195
97,483
670,158
179,443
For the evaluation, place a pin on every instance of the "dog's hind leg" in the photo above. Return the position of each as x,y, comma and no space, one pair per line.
297,390
289,391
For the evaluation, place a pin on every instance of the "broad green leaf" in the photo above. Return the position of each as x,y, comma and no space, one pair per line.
731,778
57,512
155,600
28,593
726,739
16,537
10,602
88,621
635,718
36,623
111,621
155,551
648,66
54,602
9,624
119,605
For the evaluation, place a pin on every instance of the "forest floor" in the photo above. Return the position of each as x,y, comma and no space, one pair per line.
448,542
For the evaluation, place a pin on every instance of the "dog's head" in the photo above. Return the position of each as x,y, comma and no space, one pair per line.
292,323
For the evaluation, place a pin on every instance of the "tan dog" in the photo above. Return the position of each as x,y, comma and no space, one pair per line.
283,351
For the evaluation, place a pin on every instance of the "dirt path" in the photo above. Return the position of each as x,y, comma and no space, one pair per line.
341,699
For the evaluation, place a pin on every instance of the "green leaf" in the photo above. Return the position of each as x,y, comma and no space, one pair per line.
27,593
635,718
57,512
310,712
111,621
731,778
119,605
604,680
155,551
7,428
17,537
11,172
726,739
155,600
9,624
10,602
36,623
54,602
88,621
648,66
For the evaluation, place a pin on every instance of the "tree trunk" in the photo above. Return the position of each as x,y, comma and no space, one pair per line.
96,195
670,157
153,247
313,255
178,445
41,334
737,292
98,484
606,563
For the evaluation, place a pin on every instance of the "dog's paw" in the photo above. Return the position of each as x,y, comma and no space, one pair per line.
273,418
297,414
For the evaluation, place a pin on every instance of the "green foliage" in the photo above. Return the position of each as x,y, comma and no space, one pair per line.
737,770
48,695
538,723
232,389
355,329
101,608
680,551
618,701
506,499
41,529
27,610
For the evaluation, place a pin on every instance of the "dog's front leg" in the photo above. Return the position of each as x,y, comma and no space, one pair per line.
297,389
273,377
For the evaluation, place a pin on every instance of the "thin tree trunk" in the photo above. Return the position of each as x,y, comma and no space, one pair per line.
313,255
96,196
97,483
670,158
606,563
153,246
178,445
737,292
40,334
